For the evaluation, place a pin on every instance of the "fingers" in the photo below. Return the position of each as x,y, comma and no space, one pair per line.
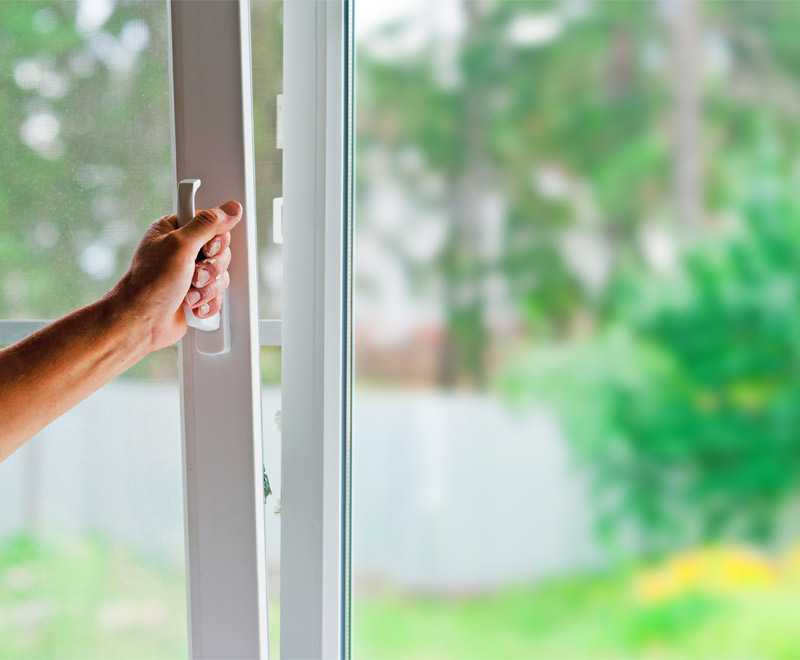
217,245
209,230
211,269
209,308
208,224
199,298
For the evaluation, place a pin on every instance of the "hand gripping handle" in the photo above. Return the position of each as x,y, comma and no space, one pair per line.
186,191
216,336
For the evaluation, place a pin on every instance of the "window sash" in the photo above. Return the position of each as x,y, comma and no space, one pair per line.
224,504
221,394
315,353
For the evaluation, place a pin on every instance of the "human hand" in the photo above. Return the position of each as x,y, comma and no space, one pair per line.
165,275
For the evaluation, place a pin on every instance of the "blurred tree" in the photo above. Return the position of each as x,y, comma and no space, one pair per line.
528,113
686,414
687,68
590,122
84,100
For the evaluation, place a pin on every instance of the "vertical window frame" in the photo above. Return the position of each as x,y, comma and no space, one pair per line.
211,100
316,338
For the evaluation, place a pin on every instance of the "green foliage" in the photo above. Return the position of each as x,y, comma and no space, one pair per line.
578,618
88,599
270,366
107,173
104,176
89,193
686,411
580,105
596,105
91,599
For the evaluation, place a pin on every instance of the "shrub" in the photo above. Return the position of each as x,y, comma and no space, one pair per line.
686,410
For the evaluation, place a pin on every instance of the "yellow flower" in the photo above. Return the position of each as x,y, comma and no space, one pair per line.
711,569
745,567
791,562
654,586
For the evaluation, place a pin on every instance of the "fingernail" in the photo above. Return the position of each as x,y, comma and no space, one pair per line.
230,208
214,248
192,297
203,310
202,277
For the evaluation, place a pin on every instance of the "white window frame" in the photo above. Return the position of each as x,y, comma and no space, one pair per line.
211,99
226,587
221,394
315,355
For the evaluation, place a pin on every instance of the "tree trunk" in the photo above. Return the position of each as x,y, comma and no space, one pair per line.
464,344
686,41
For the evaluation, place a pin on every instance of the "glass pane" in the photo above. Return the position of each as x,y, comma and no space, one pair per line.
271,439
266,17
86,155
91,522
91,527
575,409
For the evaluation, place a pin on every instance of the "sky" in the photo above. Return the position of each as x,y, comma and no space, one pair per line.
440,16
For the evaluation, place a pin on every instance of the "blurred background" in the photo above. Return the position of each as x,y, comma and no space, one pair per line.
577,350
576,357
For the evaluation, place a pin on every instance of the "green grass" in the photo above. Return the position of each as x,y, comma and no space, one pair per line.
580,618
88,599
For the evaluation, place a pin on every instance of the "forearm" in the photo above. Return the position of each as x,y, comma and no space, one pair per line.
54,369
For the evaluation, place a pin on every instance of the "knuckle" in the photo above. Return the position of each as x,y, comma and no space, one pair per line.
211,270
212,247
211,266
217,245
212,307
214,270
164,225
222,262
206,216
174,242
211,290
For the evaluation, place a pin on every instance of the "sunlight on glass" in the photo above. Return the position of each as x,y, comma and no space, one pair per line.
40,132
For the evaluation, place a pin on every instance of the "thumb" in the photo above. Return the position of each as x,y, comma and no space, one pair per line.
209,223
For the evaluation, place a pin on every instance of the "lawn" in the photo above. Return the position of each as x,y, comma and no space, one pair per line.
91,600
86,599
581,619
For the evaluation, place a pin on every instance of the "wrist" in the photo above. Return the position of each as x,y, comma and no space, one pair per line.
126,325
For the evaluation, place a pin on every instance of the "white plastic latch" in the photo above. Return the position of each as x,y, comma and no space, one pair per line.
277,220
215,336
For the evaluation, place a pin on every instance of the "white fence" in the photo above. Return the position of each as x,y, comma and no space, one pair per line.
450,491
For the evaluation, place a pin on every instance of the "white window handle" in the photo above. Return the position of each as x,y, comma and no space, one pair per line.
215,338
